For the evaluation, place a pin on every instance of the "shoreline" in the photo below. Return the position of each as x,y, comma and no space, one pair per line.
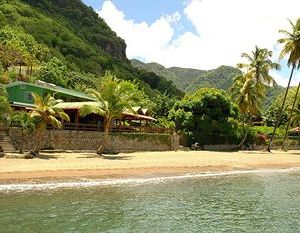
94,182
62,167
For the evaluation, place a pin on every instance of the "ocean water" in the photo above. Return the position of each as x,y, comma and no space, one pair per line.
266,201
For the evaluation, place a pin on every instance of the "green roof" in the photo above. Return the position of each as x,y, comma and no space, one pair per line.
54,88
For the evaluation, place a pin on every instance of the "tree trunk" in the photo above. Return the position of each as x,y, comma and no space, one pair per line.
290,117
22,142
281,109
240,146
20,69
103,145
39,132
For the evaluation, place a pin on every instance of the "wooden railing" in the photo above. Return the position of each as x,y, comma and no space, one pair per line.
82,126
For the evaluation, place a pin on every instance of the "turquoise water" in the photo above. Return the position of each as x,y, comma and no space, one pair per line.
256,202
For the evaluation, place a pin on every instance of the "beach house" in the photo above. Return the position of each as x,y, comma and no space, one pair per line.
135,120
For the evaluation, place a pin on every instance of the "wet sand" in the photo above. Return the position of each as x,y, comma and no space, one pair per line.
55,167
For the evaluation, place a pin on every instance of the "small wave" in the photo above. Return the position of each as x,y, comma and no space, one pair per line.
130,181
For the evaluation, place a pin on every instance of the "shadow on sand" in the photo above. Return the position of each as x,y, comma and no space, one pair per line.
105,156
46,156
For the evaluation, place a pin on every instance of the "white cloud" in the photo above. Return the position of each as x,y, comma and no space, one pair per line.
229,27
225,29
142,39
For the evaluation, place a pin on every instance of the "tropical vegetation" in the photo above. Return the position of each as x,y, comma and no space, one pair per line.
249,89
291,49
112,97
208,116
45,112
69,38
72,47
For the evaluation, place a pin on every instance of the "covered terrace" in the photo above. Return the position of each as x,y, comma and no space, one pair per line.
137,120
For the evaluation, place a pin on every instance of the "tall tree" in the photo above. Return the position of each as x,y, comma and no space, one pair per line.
204,117
248,89
45,112
248,95
112,97
291,48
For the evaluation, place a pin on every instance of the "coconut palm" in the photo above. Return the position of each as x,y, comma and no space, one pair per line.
113,97
248,95
259,65
46,113
291,49
26,123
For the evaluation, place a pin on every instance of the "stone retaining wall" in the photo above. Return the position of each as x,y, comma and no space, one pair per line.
90,140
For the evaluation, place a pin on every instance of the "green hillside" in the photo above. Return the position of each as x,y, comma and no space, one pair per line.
189,80
76,35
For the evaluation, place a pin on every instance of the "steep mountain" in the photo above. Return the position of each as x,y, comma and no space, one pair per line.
75,34
189,80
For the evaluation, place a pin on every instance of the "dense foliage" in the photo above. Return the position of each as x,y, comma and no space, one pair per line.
34,32
272,112
208,116
5,110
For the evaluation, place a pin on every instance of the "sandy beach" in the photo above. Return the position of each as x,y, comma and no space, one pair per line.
73,166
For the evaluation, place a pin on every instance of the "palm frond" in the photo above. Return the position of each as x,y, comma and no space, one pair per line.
89,109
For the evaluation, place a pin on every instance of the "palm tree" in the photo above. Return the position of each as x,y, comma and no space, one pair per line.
248,95
26,123
113,97
291,48
259,65
45,112
249,89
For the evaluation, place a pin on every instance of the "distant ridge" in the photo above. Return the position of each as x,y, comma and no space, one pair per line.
189,80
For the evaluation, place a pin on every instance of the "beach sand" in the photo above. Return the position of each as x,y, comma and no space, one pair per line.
78,166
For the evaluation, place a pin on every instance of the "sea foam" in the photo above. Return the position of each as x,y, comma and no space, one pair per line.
130,181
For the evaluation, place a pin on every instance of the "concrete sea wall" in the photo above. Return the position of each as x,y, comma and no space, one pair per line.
90,140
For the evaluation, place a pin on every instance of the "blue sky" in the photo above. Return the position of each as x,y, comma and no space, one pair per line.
149,11
201,34
142,10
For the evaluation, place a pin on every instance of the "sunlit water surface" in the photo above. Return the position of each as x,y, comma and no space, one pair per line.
255,202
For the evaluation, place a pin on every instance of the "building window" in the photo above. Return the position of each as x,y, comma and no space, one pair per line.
28,96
